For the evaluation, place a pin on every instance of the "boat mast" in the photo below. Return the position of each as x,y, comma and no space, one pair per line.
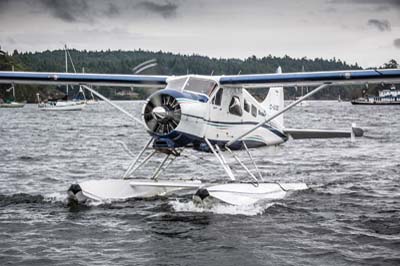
13,86
302,88
66,66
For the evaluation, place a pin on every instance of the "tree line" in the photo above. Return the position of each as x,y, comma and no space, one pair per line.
122,62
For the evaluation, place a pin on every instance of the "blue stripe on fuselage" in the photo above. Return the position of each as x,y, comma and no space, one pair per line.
273,130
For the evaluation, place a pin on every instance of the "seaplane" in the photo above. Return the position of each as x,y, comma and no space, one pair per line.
209,114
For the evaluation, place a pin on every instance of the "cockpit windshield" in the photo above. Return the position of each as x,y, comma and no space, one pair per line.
199,85
176,83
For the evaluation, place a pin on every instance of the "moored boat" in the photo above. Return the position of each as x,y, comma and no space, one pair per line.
60,105
386,97
11,104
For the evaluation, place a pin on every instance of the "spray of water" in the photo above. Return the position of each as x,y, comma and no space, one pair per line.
220,208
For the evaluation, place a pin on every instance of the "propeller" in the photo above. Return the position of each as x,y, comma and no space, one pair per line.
162,114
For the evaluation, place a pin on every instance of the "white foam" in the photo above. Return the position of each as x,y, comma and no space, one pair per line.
55,197
220,208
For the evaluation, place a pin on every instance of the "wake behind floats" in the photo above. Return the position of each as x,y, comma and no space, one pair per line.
214,114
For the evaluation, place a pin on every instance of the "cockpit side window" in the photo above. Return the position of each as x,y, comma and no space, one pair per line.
211,89
218,97
234,106
246,106
254,110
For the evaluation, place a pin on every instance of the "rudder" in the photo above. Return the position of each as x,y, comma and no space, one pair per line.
274,102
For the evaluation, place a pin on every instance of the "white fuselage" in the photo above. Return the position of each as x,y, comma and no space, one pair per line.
223,114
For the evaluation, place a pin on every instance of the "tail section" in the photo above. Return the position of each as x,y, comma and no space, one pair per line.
274,102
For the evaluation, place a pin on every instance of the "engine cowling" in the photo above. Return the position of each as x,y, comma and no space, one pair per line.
162,113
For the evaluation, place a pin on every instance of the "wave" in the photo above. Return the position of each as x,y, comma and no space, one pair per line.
20,198
220,208
33,199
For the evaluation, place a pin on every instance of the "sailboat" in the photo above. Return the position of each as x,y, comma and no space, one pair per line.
66,105
303,103
90,101
11,103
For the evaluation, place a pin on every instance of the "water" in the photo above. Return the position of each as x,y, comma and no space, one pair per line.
351,216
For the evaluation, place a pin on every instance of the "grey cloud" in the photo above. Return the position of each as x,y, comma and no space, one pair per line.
85,11
369,2
382,25
4,5
378,5
396,43
166,10
330,10
11,41
112,10
69,11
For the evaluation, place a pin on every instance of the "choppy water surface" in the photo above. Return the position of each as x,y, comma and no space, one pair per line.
350,217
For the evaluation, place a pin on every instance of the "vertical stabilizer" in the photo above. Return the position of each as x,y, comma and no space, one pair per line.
274,102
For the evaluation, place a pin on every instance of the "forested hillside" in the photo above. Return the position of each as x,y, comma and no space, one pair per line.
175,64
22,92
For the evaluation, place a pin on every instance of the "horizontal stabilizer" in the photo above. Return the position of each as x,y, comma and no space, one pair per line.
322,133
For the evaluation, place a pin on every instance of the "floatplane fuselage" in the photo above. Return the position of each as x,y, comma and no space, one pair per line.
195,108
213,114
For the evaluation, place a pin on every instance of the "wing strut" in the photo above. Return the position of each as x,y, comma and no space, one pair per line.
290,106
221,159
113,104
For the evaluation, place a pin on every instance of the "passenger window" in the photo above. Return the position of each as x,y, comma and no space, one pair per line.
246,106
234,106
254,110
218,97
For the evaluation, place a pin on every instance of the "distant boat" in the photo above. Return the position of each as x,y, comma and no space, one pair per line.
60,105
11,103
386,97
91,101
303,103
65,105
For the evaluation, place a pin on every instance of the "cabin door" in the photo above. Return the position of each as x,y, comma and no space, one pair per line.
225,114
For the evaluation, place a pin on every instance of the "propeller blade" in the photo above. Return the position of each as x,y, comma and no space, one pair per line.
156,100
152,123
137,70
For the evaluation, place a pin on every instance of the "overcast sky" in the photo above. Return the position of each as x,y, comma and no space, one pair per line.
362,31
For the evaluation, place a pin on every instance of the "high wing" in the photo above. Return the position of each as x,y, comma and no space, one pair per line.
322,133
346,77
78,78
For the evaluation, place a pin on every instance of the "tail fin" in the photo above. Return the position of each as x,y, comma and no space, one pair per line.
274,102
